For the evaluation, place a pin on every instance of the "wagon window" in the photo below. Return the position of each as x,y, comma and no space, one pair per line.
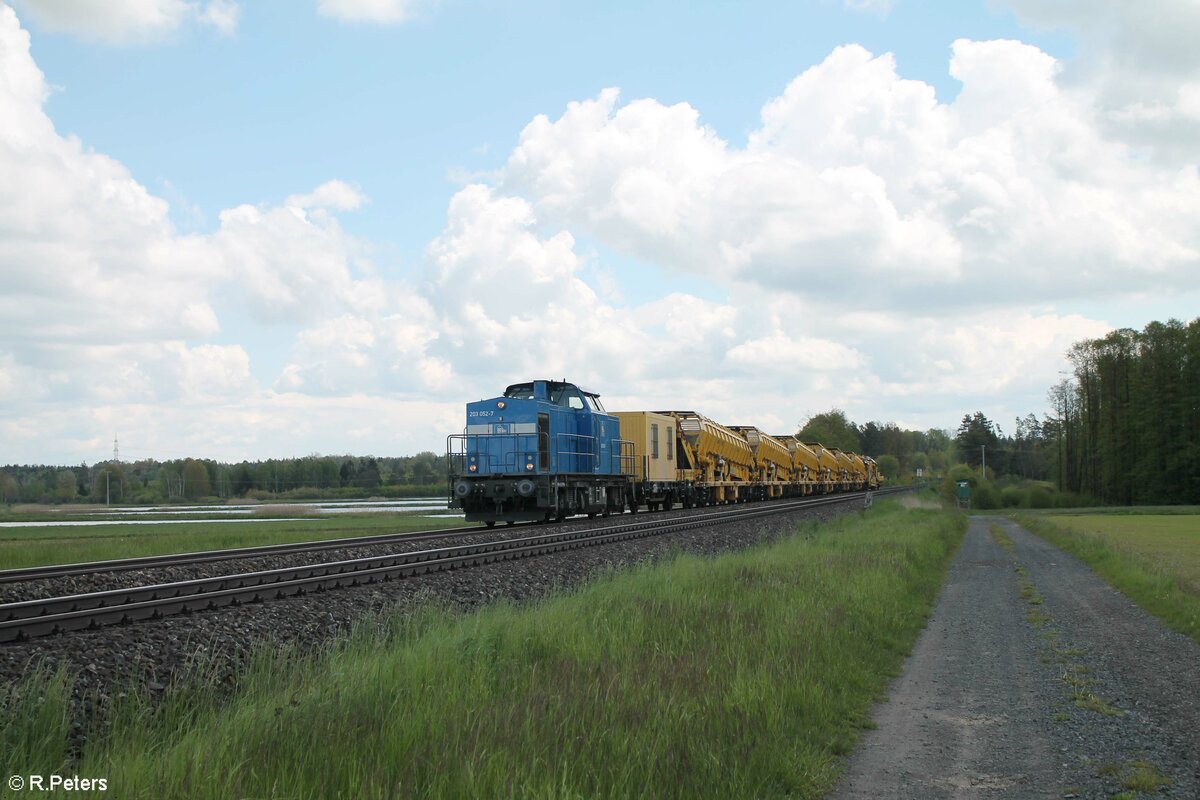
670,443
653,440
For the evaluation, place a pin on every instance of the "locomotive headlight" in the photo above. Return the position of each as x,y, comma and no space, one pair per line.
472,468
501,404
529,466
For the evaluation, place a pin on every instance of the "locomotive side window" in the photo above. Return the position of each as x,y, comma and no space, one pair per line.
575,402
654,440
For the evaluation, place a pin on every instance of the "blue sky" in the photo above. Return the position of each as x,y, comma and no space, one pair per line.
279,228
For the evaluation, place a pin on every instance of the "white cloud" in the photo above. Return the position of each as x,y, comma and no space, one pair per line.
858,177
778,351
333,194
130,21
103,301
289,265
1141,63
222,15
385,11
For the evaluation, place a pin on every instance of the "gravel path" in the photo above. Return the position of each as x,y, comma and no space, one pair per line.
217,643
1034,678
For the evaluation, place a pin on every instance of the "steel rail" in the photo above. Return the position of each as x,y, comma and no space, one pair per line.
202,556
33,618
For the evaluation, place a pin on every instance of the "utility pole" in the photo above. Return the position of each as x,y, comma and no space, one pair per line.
983,469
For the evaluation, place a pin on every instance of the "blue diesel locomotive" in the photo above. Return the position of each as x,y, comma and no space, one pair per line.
544,450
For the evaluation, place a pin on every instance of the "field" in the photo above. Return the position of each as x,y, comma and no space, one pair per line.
28,547
742,676
1152,557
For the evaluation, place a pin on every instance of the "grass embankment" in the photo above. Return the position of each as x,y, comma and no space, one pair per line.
742,676
31,547
1154,559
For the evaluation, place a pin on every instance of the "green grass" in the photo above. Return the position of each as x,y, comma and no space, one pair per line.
744,676
1168,544
1139,776
30,547
1001,537
1153,559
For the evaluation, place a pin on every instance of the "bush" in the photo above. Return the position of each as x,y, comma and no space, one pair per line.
1013,497
147,496
985,497
1041,497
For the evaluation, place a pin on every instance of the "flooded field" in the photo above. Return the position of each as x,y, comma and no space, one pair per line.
66,516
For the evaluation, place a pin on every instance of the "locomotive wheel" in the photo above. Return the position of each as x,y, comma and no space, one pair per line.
491,523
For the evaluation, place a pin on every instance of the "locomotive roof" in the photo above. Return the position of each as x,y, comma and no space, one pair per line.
552,385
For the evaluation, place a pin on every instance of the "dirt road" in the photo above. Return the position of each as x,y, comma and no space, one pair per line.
1034,678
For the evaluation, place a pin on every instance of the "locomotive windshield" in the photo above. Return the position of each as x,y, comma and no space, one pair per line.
521,391
566,395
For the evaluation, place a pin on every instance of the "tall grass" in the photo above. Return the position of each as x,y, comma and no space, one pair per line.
741,676
1164,592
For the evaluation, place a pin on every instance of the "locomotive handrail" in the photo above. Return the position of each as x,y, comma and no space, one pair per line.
581,456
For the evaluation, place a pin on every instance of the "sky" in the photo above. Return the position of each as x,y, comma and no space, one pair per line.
249,230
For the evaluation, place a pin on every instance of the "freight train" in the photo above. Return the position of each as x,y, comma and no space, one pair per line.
547,450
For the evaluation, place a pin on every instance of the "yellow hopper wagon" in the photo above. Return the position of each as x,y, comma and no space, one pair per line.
716,465
845,469
805,464
827,474
858,472
772,461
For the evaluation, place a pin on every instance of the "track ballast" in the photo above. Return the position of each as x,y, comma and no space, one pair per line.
36,618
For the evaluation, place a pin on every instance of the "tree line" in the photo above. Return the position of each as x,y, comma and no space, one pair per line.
1124,429
1130,416
899,452
151,481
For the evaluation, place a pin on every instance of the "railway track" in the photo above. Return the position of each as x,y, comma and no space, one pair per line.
204,556
43,617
